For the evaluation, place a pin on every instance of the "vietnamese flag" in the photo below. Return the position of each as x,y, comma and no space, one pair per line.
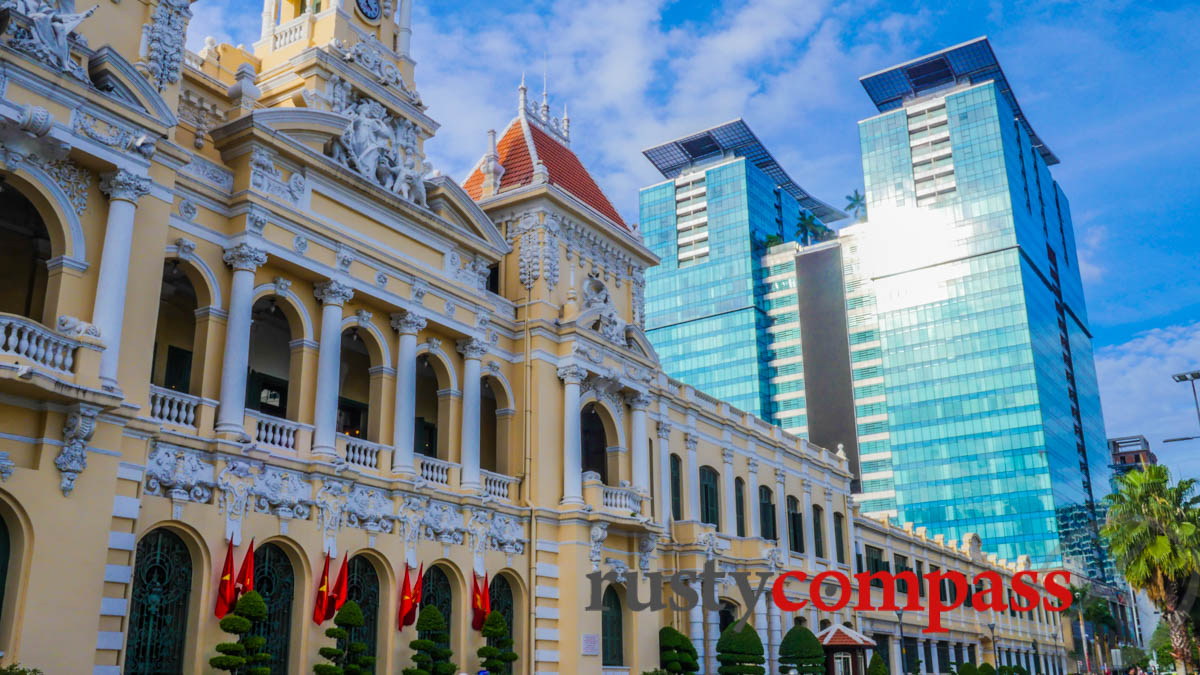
245,577
411,617
226,587
337,597
406,601
480,601
322,595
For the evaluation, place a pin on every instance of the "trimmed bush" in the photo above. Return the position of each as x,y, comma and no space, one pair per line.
967,668
877,666
244,657
676,653
429,657
496,658
987,669
800,649
346,658
740,652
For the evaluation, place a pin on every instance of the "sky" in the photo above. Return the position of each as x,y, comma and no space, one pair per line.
1110,86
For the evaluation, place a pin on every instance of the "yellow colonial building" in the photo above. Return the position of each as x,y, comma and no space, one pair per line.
238,303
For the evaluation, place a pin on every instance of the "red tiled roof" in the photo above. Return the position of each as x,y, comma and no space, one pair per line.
563,166
838,635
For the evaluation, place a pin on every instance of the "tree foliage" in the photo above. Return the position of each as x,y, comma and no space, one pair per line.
676,653
801,650
496,658
877,667
987,669
346,658
244,657
967,668
740,652
429,656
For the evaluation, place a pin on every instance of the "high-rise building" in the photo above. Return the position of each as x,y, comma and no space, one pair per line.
1129,453
972,384
708,314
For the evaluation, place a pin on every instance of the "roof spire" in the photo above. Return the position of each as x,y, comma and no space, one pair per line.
566,124
522,91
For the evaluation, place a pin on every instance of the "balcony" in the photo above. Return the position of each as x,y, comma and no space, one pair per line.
621,501
436,471
360,452
41,363
279,434
172,407
500,486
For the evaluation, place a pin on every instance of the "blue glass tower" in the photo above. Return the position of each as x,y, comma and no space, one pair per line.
707,306
979,353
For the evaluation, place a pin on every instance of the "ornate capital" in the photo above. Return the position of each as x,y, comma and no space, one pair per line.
690,440
245,257
408,323
752,465
124,185
571,374
639,401
472,348
333,292
664,430
727,455
780,477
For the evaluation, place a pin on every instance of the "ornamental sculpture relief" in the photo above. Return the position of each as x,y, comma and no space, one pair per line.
162,42
442,522
48,35
267,178
176,473
369,508
372,55
72,458
282,493
379,146
599,314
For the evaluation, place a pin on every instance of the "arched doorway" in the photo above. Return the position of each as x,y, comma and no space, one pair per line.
593,442
354,393
275,580
158,608
362,586
174,337
427,408
612,629
500,596
727,615
437,591
495,413
25,249
270,359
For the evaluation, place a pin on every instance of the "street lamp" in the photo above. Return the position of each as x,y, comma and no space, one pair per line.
995,654
1188,377
1056,656
903,652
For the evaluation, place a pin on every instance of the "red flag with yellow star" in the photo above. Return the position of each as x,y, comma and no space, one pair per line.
226,587
481,601
411,617
322,595
245,577
406,602
337,597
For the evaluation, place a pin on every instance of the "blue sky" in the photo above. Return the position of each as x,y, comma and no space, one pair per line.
1112,87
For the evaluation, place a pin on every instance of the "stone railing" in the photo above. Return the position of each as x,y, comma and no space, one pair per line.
275,432
173,407
191,58
499,485
623,500
290,32
20,336
434,470
360,452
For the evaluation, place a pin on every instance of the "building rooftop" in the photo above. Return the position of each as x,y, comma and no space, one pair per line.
734,138
970,62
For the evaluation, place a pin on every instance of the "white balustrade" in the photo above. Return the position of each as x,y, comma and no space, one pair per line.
498,485
275,432
173,407
361,452
191,58
27,338
435,470
622,499
293,31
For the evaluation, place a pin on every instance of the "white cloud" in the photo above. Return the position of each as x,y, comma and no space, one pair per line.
227,21
1139,396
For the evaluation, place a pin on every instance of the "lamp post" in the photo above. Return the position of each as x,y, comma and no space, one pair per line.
1188,377
995,654
1054,636
903,652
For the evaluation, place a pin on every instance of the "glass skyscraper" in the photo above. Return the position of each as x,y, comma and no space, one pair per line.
974,387
709,305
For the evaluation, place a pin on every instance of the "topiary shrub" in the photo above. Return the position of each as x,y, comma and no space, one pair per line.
676,653
1020,670
429,656
967,668
877,666
987,669
244,657
496,658
18,669
800,649
346,658
740,652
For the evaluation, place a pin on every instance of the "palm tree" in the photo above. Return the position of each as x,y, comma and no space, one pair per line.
1104,628
807,228
1081,597
857,204
1153,532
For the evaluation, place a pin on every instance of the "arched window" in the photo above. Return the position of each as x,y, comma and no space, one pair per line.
275,580
270,359
428,408
739,505
676,487
174,339
612,629
766,512
501,597
795,526
818,517
27,248
594,445
839,536
158,610
710,496
436,591
825,623
354,391
727,615
362,586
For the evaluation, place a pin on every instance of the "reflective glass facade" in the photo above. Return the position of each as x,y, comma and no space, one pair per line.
969,334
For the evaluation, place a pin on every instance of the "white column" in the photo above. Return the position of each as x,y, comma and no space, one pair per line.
124,189
710,644
693,479
472,351
641,443
830,535
922,666
896,659
752,517
936,667
696,627
664,470
761,625
810,550
404,421
404,27
851,535
333,295
729,499
782,526
776,627
231,415
572,467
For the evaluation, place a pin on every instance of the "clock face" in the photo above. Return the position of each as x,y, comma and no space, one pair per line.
369,9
